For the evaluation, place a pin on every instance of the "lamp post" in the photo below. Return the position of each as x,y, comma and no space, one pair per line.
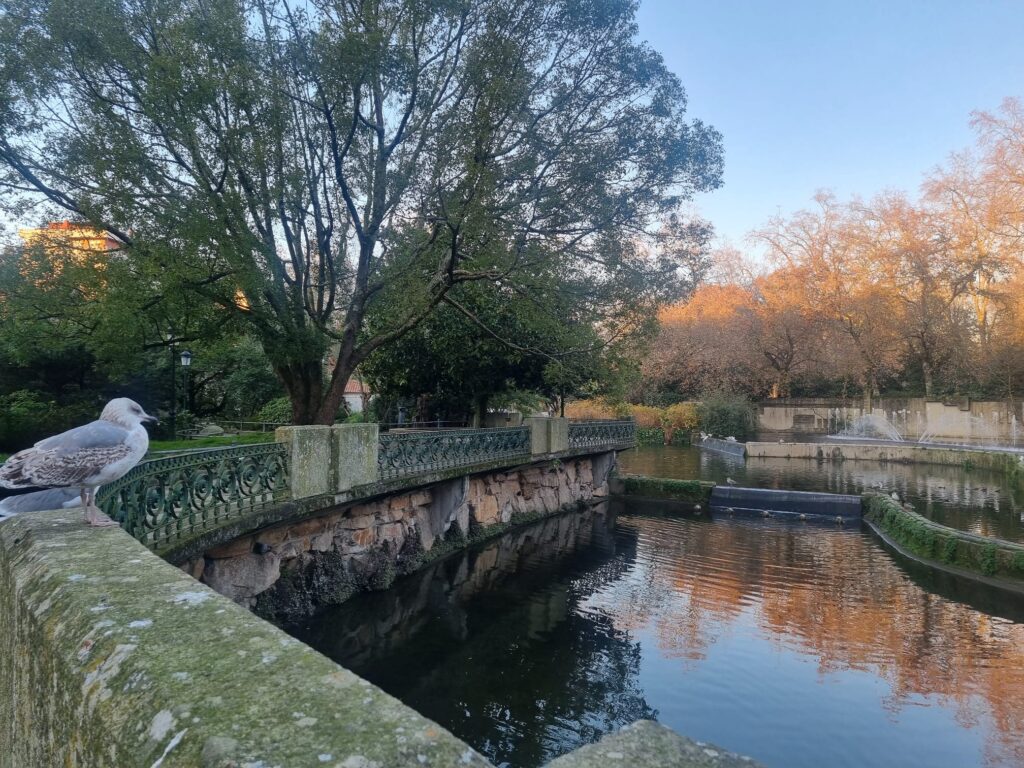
186,361
174,395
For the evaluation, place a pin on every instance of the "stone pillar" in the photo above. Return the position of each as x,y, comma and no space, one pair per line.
355,448
309,453
538,434
558,435
548,435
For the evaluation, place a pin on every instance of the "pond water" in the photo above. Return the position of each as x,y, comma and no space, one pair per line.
978,501
798,645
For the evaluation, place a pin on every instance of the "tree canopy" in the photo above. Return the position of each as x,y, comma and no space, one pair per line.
307,166
917,296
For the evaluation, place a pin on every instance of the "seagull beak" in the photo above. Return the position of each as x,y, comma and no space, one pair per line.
147,417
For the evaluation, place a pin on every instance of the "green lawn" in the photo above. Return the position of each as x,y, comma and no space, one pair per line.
218,441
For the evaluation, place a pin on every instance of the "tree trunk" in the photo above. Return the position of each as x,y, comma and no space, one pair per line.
480,411
926,369
304,382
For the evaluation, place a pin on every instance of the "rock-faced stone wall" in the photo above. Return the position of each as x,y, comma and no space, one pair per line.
289,570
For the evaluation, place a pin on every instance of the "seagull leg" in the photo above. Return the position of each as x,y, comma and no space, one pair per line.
93,515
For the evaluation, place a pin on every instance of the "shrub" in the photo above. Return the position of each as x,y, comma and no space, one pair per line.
277,411
592,409
26,417
727,415
596,409
646,416
682,416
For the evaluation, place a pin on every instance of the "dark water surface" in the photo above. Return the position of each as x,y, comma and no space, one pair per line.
798,645
977,501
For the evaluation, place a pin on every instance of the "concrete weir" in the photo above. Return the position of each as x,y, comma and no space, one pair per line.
785,503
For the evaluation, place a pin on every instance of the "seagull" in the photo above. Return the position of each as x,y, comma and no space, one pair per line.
730,481
53,498
85,457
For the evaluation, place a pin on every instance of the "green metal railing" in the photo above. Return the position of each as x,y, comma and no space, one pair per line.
166,501
602,434
403,454
163,501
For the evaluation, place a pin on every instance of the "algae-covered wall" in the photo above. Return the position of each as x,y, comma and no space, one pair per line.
687,491
112,657
941,545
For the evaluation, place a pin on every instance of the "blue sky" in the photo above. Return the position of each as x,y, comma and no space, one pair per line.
856,97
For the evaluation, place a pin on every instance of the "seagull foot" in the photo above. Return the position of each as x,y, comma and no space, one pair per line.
96,518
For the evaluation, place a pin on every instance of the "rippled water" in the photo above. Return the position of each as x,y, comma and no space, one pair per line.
797,645
978,501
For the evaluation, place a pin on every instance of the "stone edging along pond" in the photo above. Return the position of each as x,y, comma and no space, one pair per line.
992,561
996,561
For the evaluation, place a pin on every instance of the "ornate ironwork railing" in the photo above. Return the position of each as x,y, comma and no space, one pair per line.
597,434
412,453
163,501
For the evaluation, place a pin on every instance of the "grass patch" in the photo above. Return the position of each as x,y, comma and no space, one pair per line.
213,441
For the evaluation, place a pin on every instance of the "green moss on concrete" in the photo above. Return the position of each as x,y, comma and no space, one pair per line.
112,657
690,491
940,544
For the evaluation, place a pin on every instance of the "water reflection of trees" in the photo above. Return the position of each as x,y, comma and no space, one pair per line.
448,640
840,597
979,501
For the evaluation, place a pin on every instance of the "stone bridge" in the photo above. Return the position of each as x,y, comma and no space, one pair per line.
284,528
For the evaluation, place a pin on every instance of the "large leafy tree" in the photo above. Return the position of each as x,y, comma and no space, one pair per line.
300,164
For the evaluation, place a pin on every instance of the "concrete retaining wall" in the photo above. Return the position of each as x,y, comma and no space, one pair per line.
965,419
903,453
728,447
686,491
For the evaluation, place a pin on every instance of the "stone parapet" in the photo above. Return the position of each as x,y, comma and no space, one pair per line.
310,459
112,657
548,435
354,449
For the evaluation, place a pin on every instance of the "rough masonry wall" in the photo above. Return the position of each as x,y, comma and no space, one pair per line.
289,570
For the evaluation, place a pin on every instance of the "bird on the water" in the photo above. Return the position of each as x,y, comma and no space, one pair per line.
85,457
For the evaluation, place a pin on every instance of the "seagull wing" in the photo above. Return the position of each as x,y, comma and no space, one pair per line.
69,458
95,434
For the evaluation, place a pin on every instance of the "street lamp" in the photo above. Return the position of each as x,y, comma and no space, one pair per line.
169,336
186,361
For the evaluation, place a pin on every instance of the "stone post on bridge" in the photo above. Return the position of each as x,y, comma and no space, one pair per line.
330,459
548,435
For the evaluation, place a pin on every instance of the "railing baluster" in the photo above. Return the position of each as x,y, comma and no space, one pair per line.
167,500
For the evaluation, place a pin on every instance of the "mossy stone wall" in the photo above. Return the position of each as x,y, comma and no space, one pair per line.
112,657
942,545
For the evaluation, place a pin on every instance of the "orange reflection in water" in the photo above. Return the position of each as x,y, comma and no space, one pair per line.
841,598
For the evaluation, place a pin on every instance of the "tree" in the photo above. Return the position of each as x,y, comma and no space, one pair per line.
824,244
783,328
303,165
461,359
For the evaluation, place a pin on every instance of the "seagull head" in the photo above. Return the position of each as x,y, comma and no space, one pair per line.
126,412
